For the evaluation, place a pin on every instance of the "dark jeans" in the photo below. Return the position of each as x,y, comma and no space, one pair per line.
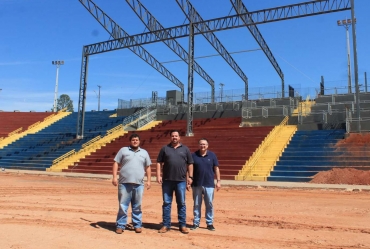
168,187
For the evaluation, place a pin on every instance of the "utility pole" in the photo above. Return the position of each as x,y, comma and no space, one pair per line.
346,24
58,64
99,99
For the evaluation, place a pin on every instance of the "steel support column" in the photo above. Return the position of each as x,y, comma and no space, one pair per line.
189,128
82,97
354,42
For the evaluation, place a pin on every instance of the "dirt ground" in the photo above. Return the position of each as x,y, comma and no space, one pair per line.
61,212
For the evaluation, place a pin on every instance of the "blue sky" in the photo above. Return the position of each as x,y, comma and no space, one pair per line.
34,33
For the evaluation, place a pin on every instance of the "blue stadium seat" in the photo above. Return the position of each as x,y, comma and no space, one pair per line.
37,151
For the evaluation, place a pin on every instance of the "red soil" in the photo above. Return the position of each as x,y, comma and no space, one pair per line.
343,176
356,145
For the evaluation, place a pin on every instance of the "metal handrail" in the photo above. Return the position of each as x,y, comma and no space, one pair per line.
91,141
15,131
61,158
257,154
34,125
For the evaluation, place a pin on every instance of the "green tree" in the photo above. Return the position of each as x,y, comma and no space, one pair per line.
63,102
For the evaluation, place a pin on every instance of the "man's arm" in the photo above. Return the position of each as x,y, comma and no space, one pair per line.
148,176
114,172
218,177
159,177
190,175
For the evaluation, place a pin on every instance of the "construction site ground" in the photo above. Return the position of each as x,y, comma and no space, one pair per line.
67,210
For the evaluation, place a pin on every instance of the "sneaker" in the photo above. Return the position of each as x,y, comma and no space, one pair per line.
119,230
138,230
184,230
194,227
164,229
211,228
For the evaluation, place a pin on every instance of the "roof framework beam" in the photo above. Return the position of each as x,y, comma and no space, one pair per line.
117,32
153,24
240,9
218,24
193,17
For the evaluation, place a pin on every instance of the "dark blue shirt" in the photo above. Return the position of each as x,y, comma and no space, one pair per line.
175,162
203,174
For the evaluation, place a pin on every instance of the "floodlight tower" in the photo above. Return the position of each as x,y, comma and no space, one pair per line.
57,64
346,23
221,90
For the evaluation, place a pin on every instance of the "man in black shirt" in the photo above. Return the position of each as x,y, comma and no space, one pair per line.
177,163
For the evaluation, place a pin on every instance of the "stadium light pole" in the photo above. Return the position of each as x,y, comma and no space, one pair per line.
57,64
346,24
221,90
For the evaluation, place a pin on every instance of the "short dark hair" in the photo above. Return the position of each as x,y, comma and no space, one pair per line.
174,131
205,139
133,135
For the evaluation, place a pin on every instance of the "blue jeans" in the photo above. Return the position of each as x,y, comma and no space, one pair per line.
129,193
168,187
198,193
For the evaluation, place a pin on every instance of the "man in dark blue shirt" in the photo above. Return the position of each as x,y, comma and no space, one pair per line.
177,163
205,167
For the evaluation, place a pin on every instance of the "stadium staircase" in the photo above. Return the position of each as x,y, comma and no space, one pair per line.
232,144
37,151
308,153
263,160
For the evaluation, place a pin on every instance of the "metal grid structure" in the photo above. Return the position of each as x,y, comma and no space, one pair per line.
241,19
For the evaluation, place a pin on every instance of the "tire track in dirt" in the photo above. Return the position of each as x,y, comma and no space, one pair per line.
291,225
56,209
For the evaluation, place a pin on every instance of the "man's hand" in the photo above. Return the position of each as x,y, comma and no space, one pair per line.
218,185
188,185
114,181
148,185
190,181
159,179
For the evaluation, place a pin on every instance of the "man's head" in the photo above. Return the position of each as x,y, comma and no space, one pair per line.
134,141
203,145
175,137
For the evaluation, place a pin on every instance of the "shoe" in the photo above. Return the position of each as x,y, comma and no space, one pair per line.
194,227
184,230
164,229
138,230
119,230
211,228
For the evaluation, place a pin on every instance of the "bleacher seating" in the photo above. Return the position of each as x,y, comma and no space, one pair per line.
308,153
11,121
232,144
37,151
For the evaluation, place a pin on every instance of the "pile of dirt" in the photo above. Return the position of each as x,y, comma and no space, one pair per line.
343,176
356,139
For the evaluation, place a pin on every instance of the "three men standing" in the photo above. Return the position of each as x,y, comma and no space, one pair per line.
177,171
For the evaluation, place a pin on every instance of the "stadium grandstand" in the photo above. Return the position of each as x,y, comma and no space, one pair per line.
258,134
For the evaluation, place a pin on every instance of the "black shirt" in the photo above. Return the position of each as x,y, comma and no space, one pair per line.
175,162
